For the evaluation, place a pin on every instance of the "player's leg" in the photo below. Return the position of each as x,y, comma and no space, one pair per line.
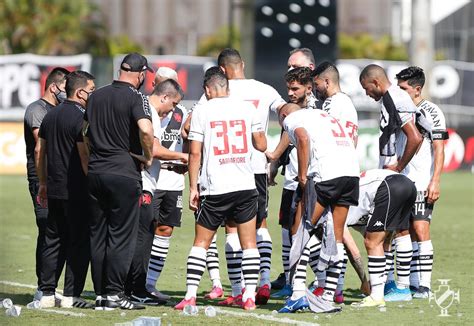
167,207
425,254
212,264
389,250
264,240
244,215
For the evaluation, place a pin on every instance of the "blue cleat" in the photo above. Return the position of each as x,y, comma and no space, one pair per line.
398,295
294,305
286,291
389,287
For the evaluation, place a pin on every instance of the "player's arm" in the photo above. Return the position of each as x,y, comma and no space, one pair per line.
434,188
281,147
302,150
162,153
40,154
414,140
145,128
195,149
259,141
186,127
356,259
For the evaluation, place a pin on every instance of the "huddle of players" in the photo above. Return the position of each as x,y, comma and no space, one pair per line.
227,152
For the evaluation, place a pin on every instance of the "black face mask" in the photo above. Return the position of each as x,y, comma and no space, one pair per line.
60,96
141,83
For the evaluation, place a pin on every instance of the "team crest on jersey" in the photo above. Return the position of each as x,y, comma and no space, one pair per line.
178,117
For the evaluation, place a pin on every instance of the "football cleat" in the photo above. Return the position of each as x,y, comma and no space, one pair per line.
389,287
369,302
422,293
279,283
231,301
184,303
339,297
122,302
263,294
318,291
398,294
249,304
286,291
215,293
147,299
157,293
294,305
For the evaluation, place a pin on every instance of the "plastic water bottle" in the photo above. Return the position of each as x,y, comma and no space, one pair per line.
13,311
147,321
6,303
33,305
210,311
190,310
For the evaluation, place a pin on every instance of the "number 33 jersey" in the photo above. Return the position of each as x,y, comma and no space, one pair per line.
225,128
332,153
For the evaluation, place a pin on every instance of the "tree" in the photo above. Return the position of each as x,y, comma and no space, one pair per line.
365,46
55,27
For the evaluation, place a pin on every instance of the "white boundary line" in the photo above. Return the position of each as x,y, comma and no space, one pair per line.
284,320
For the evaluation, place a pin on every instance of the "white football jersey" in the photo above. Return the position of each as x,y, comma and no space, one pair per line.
340,106
406,110
170,180
150,176
225,126
332,153
265,98
369,183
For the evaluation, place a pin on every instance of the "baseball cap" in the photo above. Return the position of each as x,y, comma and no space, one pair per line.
135,62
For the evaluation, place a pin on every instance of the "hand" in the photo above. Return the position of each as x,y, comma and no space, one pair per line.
365,287
393,167
302,182
270,156
146,162
432,193
193,199
272,172
42,198
184,158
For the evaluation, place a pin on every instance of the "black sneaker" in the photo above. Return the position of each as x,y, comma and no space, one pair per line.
148,299
122,302
79,302
279,283
99,303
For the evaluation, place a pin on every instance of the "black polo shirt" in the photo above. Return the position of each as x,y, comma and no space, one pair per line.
62,128
112,113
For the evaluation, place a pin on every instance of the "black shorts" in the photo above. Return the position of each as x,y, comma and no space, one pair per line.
239,206
340,191
168,207
422,210
262,188
392,204
285,207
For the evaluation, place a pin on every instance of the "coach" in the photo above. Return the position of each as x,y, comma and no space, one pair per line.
118,122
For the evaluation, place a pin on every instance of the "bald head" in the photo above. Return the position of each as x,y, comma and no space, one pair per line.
164,73
373,71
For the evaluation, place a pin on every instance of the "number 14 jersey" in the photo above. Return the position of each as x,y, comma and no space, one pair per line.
225,125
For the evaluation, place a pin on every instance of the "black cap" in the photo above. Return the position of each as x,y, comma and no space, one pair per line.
135,62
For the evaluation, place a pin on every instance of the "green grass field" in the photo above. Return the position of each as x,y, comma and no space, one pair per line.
452,231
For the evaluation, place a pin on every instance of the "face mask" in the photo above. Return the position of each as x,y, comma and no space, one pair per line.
141,83
60,96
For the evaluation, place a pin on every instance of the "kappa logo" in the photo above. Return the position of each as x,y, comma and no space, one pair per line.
378,223
444,297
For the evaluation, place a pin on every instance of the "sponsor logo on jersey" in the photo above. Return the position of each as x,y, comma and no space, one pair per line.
171,136
378,223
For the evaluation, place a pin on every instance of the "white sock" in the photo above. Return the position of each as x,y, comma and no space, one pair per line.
404,254
264,245
389,263
159,252
233,254
415,266
250,268
212,263
425,250
377,276
196,265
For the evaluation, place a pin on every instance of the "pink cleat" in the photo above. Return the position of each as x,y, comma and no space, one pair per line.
318,291
231,301
184,303
263,294
215,293
339,297
249,304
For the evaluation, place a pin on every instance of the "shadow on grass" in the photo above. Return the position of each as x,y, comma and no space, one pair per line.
18,298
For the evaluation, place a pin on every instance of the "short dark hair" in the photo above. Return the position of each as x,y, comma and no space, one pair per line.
229,56
307,53
371,71
56,75
168,87
214,75
76,80
301,75
327,67
413,75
